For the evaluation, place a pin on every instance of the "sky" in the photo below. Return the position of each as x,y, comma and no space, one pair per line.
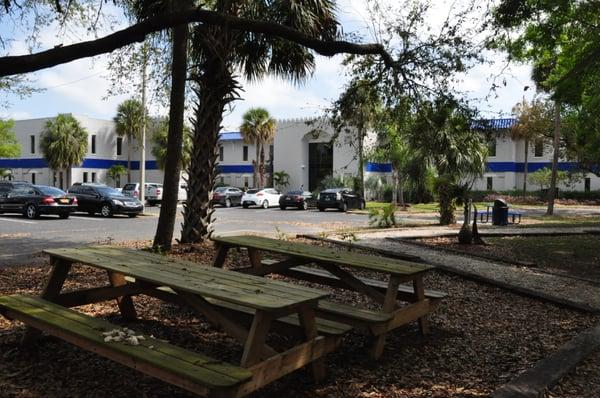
81,86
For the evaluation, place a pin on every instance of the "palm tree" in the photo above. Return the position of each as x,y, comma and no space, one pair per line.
159,138
442,134
115,172
218,52
281,179
64,143
129,121
533,122
258,128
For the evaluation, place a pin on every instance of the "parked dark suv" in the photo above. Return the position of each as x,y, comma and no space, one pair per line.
105,200
300,199
35,200
341,199
227,196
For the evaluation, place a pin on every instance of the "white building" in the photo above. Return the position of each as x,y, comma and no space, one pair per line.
301,148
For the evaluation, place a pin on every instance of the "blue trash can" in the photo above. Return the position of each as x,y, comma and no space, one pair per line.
500,212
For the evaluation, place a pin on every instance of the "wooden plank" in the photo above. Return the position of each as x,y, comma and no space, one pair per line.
256,339
288,361
231,327
154,357
273,267
404,315
256,292
96,295
354,283
222,251
325,254
58,275
347,310
125,303
254,257
420,295
388,306
307,320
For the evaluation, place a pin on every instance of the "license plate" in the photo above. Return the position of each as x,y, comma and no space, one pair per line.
327,198
63,201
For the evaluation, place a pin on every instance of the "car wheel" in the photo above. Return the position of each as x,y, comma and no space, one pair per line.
265,204
245,206
282,207
344,207
64,216
106,210
321,209
304,206
227,202
31,212
132,215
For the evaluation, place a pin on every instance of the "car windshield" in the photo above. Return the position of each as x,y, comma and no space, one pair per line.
50,191
294,193
106,191
221,189
252,191
129,187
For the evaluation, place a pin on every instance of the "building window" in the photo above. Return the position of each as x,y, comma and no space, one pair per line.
246,182
32,143
492,147
93,177
220,153
588,184
85,176
222,180
33,178
538,150
490,183
119,146
60,179
245,156
93,143
271,152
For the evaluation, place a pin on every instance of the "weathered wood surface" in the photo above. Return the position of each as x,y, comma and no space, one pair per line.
192,371
325,255
248,290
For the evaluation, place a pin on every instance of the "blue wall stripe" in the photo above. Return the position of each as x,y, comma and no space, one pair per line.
500,167
87,164
235,169
379,167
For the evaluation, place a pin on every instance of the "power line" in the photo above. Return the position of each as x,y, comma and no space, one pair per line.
72,82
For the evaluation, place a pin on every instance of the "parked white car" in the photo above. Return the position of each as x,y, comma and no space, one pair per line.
261,197
154,194
133,189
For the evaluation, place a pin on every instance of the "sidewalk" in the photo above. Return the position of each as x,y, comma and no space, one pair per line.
559,289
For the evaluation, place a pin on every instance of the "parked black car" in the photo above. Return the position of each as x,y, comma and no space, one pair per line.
105,200
341,199
300,199
35,200
227,196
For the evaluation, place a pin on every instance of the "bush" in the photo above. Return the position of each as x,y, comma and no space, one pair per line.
384,217
537,197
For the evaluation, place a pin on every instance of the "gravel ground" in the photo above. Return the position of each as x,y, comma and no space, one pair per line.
481,337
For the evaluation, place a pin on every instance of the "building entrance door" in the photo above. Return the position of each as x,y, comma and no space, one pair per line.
320,163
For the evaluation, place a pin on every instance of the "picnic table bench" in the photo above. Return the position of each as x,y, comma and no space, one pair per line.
206,290
378,323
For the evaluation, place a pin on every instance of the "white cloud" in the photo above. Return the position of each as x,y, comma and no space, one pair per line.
16,115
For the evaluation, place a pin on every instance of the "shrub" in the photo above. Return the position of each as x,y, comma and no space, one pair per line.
384,217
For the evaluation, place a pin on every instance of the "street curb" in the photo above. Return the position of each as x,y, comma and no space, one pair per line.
547,372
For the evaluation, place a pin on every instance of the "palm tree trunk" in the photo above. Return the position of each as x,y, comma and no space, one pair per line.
168,208
261,167
361,166
552,191
526,164
395,191
446,207
255,183
129,141
216,87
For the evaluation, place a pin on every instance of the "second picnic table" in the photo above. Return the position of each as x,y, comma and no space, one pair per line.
378,322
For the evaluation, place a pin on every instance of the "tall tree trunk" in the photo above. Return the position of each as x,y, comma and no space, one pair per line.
446,207
552,191
216,87
129,143
255,183
526,164
401,193
168,208
395,183
361,160
261,167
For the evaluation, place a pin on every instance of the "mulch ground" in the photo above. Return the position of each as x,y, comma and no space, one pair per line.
571,255
481,337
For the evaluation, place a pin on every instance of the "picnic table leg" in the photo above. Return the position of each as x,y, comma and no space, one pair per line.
56,280
255,258
420,296
125,303
257,337
307,320
221,255
388,306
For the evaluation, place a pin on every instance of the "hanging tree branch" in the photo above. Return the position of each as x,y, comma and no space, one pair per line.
12,65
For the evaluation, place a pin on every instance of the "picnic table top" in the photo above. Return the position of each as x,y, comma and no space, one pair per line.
326,255
248,290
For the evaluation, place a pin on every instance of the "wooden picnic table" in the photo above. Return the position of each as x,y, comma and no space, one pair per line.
199,287
337,270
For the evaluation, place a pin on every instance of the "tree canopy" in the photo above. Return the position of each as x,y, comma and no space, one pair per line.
9,146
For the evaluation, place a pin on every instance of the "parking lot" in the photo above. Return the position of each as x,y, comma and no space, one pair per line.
21,240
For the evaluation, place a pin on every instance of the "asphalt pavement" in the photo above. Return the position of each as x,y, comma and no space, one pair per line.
22,240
